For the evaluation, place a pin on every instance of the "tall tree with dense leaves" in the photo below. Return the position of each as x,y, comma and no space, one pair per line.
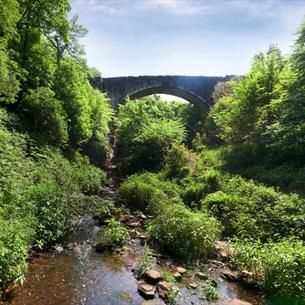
73,89
287,131
39,19
9,84
238,114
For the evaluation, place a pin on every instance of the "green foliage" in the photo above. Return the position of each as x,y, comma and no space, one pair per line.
198,184
184,233
46,113
145,262
178,162
146,130
145,191
88,177
87,110
279,268
193,119
105,208
210,292
72,88
16,236
172,295
181,232
167,276
98,146
116,232
289,177
40,197
262,120
250,210
239,113
9,83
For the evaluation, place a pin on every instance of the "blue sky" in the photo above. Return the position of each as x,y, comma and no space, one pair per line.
187,37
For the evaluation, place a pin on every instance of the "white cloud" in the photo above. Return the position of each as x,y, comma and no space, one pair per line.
172,7
253,8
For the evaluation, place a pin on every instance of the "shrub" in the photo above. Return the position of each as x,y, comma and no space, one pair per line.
251,210
179,162
116,232
16,236
88,177
40,197
184,233
145,262
167,276
146,130
210,293
279,268
46,113
50,210
146,191
105,208
197,185
98,146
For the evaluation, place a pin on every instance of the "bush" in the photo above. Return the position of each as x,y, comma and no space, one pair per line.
184,233
116,232
279,268
197,185
16,236
251,210
146,130
145,262
88,177
146,191
105,208
179,162
46,113
40,197
97,148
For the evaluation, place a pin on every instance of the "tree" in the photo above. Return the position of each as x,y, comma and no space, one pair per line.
9,84
237,115
46,114
285,132
69,46
146,130
38,19
71,86
98,146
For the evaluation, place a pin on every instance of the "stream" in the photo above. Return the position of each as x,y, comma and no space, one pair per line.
77,274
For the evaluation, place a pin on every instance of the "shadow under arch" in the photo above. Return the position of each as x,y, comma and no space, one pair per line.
190,96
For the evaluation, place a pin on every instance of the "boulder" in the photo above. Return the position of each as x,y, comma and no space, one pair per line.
247,274
181,270
124,218
153,275
164,288
146,290
177,275
142,216
153,302
134,224
235,302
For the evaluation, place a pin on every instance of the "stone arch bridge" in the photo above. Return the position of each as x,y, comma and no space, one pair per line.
195,89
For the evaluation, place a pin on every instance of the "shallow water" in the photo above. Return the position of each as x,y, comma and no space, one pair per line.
77,275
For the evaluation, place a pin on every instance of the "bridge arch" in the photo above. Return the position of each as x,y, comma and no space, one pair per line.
195,89
178,91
